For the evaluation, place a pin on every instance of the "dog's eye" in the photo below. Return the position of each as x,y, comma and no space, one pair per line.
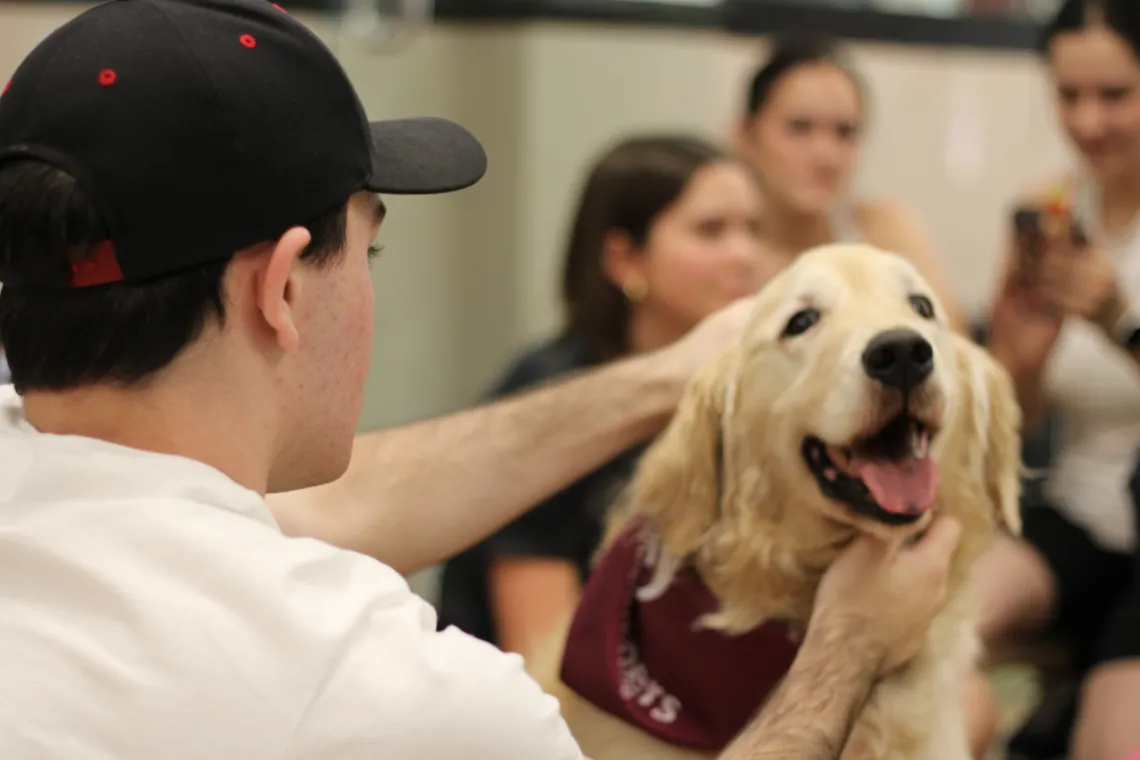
801,322
923,306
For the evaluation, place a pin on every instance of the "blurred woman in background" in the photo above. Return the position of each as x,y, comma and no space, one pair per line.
665,234
804,117
1062,333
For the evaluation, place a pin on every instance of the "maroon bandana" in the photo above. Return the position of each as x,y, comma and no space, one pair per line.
648,663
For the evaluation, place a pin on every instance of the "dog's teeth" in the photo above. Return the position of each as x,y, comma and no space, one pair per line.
916,439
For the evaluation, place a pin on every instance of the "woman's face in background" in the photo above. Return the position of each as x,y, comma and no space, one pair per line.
1097,80
804,139
703,251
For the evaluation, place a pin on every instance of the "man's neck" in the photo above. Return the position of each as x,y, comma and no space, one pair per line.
198,421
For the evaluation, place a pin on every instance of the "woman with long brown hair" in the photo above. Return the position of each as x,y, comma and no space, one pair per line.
665,234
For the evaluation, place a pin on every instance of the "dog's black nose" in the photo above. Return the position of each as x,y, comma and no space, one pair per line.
899,359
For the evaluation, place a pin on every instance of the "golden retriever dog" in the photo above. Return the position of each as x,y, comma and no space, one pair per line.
849,406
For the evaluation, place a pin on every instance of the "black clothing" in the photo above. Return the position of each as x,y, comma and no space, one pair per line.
567,526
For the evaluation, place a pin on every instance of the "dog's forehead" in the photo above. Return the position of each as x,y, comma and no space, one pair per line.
824,276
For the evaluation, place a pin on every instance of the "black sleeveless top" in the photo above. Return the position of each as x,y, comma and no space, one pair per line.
567,526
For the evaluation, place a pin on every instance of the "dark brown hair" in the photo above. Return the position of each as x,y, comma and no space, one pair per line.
1121,16
122,333
628,188
791,53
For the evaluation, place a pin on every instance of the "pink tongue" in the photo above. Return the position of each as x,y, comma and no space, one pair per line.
906,487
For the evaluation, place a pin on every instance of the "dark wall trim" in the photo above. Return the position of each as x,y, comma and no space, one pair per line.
767,16
757,17
743,17
640,12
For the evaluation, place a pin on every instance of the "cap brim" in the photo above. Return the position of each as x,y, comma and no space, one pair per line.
424,156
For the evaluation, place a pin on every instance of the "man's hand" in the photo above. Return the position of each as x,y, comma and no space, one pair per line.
871,615
886,596
709,339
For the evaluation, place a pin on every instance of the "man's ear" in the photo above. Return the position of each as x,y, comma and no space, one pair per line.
678,481
278,285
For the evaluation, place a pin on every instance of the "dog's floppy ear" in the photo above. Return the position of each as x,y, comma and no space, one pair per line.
1003,445
678,481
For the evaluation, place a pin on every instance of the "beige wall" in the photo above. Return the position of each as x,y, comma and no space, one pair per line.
469,277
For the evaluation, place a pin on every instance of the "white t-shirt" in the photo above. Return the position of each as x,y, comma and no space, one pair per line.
151,608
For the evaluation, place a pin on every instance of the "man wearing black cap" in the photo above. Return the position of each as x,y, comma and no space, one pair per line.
187,199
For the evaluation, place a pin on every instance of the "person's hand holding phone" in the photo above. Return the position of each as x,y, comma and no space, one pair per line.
1024,325
1075,277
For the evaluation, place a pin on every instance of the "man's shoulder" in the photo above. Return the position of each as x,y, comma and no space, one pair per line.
346,658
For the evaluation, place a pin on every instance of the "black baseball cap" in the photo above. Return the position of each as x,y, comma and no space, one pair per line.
201,127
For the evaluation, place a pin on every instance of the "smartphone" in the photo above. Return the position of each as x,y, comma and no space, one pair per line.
1029,240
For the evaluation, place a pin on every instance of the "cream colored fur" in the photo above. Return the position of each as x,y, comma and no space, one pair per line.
764,546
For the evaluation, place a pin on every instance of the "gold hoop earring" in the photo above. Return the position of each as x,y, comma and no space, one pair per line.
635,291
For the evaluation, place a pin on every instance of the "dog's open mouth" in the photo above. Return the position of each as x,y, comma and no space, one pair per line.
887,476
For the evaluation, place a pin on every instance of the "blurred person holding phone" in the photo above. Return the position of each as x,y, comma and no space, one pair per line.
1066,325
665,233
803,120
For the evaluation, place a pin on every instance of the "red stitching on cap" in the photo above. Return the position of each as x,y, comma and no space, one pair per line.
6,87
248,41
278,7
99,268
107,77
